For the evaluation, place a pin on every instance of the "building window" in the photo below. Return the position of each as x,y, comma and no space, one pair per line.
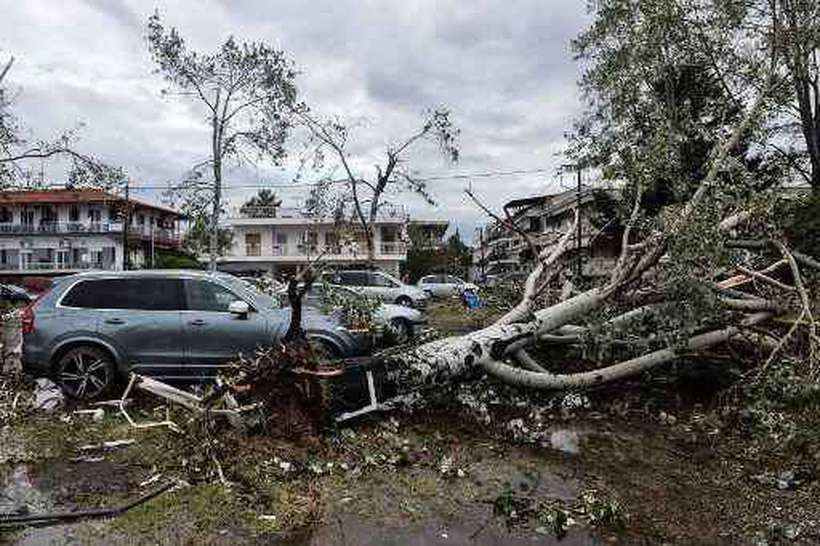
6,215
332,242
27,217
74,213
253,244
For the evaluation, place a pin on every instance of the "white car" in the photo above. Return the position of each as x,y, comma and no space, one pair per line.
443,286
378,284
405,321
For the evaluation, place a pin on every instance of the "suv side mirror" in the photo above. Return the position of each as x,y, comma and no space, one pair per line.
239,308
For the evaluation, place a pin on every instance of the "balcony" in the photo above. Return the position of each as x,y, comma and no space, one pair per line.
44,228
161,236
62,267
302,252
294,216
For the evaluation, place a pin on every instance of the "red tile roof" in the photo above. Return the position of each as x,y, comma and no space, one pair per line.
61,196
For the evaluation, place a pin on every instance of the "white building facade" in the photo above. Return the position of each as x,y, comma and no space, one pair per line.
64,231
283,241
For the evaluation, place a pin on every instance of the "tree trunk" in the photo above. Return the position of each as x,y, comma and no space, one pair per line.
455,358
217,203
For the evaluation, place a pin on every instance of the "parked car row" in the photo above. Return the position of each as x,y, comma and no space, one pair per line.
405,321
379,285
179,325
445,285
91,328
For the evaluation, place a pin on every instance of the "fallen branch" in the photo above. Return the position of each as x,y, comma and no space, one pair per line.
60,517
526,378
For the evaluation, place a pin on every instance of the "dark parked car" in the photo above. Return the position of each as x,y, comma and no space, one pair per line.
184,325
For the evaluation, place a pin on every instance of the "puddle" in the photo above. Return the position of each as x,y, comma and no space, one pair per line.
491,479
354,532
54,486
566,440
19,495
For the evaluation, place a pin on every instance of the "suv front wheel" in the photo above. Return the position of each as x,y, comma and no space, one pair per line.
85,372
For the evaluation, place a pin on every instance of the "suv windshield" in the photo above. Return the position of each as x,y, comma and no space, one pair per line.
248,289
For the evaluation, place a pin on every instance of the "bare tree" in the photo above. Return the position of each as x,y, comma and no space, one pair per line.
367,192
800,40
247,90
17,152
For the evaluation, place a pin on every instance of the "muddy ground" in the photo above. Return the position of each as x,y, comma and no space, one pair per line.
664,460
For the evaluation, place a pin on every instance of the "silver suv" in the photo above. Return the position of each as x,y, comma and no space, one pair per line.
181,325
379,285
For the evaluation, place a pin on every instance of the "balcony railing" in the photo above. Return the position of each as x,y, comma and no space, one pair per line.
308,250
386,211
61,227
55,266
393,248
160,235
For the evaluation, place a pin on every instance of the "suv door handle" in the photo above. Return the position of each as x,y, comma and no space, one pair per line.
114,321
197,322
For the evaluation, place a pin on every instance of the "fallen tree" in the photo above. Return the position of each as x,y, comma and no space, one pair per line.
713,270
501,350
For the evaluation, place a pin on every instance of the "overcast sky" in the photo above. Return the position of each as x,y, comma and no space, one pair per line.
503,67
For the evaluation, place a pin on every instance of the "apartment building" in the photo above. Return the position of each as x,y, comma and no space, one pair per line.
281,240
52,232
498,251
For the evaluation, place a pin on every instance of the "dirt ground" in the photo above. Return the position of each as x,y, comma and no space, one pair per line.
644,462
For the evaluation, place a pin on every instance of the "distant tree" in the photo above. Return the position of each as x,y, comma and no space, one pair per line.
265,199
197,238
423,258
175,259
247,90
367,193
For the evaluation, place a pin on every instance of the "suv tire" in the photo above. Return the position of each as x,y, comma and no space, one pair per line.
402,330
85,372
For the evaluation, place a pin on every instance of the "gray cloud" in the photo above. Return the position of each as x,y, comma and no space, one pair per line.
504,68
118,11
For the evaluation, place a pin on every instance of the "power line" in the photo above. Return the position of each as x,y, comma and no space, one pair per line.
296,185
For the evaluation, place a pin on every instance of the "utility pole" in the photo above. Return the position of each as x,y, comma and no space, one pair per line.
126,225
578,235
483,257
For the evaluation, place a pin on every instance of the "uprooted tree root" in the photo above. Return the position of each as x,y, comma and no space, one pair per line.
282,386
294,402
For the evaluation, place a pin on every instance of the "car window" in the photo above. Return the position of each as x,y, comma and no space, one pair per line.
429,279
135,293
453,280
353,278
377,279
208,296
